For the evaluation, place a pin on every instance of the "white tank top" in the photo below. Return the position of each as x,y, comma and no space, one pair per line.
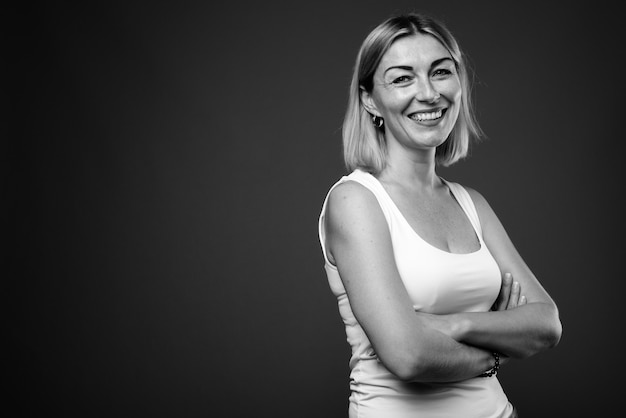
437,282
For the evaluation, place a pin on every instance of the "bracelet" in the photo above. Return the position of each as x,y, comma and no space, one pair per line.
494,370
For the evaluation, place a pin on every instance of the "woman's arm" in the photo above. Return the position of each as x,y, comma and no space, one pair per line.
359,244
518,331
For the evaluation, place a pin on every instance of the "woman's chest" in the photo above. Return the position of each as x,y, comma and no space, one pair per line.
440,222
442,282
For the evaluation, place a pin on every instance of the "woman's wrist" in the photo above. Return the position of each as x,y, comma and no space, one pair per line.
494,368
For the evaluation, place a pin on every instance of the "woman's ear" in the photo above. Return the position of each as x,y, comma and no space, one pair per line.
368,102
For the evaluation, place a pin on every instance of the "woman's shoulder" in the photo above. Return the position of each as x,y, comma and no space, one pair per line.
350,194
477,198
355,186
352,198
483,209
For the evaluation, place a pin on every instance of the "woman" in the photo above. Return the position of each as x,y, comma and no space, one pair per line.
433,294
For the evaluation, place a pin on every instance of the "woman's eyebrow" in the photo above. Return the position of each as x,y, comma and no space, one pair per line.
439,61
400,67
410,68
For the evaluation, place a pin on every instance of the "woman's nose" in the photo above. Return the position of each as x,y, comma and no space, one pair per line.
426,92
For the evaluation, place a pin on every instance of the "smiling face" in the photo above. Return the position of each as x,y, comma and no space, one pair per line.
417,91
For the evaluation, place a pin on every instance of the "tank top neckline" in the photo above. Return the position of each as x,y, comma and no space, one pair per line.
408,225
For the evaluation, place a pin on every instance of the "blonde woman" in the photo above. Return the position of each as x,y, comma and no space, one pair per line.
434,296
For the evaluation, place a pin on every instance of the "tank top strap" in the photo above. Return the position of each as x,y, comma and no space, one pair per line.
467,204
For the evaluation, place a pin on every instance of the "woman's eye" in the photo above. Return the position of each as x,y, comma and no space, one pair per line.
402,79
441,72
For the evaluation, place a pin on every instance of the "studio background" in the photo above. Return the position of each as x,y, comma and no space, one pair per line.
166,164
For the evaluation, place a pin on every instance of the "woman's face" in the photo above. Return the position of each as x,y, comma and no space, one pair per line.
416,91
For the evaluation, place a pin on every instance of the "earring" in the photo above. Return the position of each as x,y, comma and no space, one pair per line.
378,121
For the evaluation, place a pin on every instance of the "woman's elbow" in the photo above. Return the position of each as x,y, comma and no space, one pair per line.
405,374
549,339
410,367
554,335
553,331
546,339
404,364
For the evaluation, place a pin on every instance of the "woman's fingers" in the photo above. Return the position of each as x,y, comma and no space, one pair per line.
510,294
514,296
505,291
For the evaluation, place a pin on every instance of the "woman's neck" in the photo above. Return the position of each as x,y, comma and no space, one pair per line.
413,171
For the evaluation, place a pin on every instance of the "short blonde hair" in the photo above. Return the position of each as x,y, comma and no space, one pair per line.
364,145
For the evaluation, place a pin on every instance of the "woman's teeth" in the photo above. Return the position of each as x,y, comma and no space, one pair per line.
426,116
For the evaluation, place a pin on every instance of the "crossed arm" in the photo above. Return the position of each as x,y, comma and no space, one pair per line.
424,347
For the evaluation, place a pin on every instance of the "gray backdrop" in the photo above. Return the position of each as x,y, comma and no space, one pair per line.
166,164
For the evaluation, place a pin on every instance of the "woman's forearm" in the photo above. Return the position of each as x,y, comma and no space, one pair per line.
517,333
435,357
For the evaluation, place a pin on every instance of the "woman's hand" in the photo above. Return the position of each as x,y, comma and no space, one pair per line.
510,295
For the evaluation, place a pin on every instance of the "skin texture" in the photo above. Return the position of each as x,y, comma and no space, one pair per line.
417,75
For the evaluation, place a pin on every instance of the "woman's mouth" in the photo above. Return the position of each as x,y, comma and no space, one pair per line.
427,116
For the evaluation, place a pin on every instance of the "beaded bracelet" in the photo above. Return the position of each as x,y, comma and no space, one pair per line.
494,370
